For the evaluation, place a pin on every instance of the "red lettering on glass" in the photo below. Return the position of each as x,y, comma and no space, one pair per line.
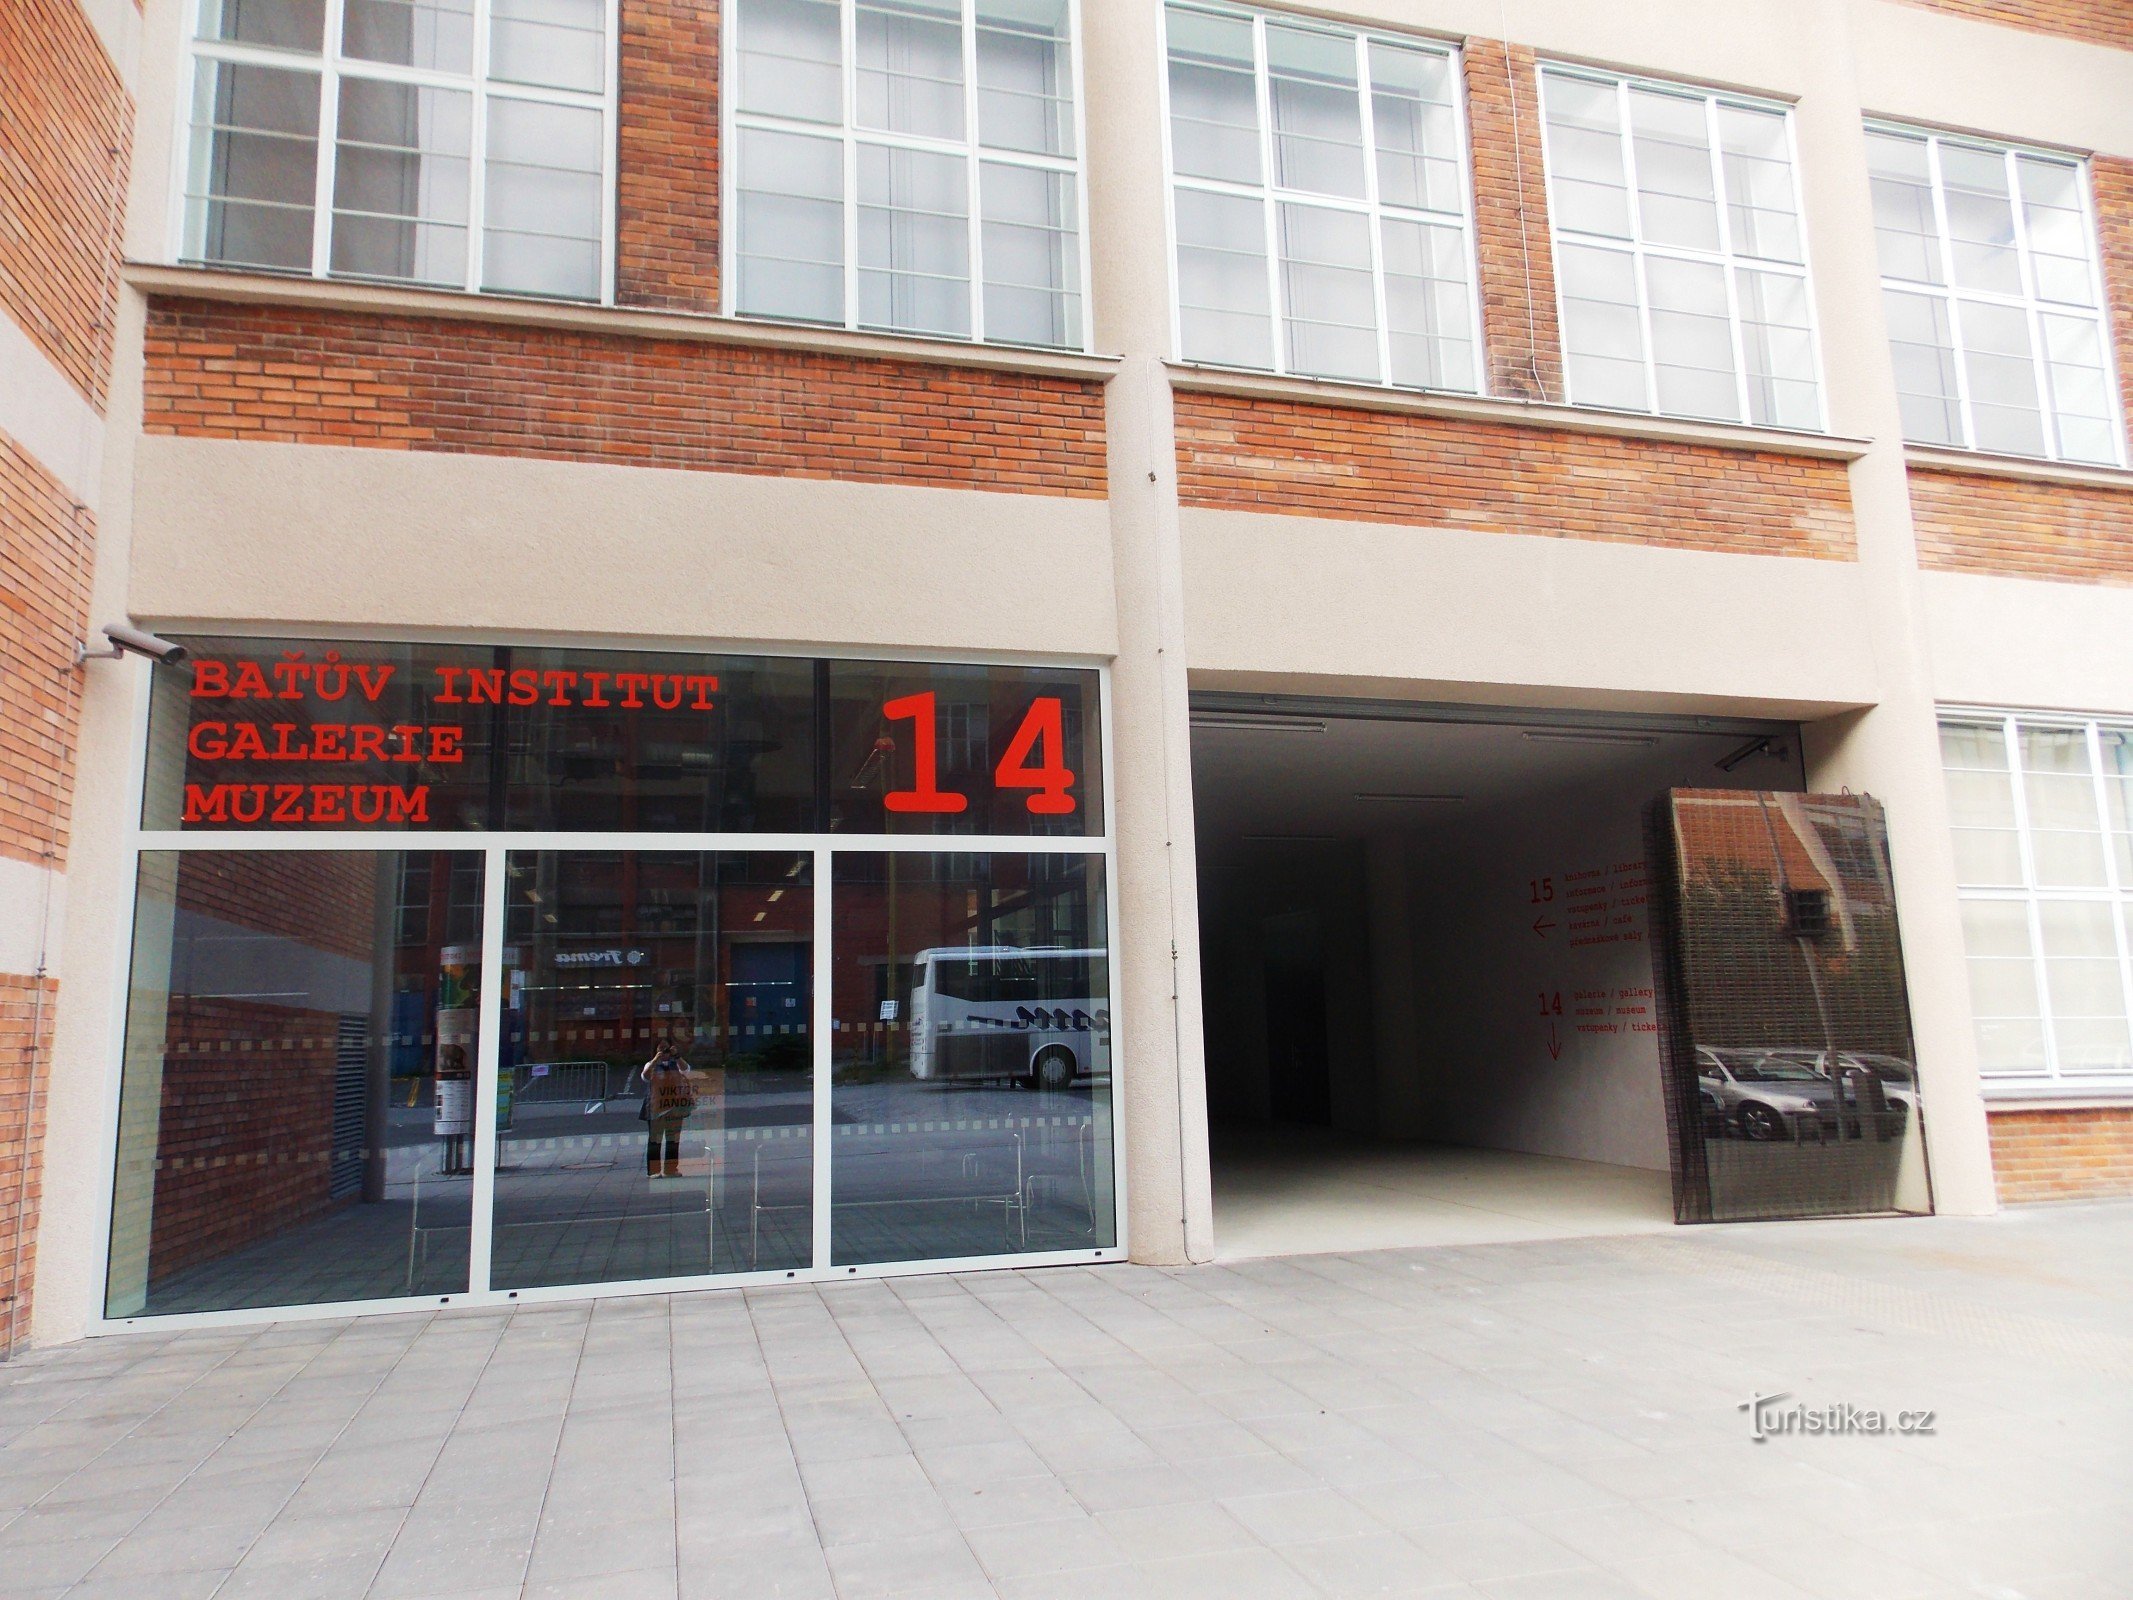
1042,730
925,793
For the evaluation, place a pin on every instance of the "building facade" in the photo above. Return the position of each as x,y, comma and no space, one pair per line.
728,524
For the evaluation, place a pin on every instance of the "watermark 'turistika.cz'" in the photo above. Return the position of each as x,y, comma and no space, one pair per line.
1769,1416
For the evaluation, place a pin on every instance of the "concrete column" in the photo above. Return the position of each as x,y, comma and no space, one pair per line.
1892,749
1155,910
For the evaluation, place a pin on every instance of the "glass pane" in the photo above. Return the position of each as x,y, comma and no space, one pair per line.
2003,986
544,201
2117,746
2002,371
278,24
914,242
1988,852
560,44
296,1115
1760,207
1692,338
971,1055
252,176
1224,309
2080,378
1588,191
2083,972
661,1122
910,61
2052,216
1922,345
1780,349
790,215
1602,335
1980,219
1032,256
971,750
1416,129
1676,201
1329,309
400,182
1906,232
1428,306
789,59
1317,110
1214,101
1025,76
284,735
2066,837
435,34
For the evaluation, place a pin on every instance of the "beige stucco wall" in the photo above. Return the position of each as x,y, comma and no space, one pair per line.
301,534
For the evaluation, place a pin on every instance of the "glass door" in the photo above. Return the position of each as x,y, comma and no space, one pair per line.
655,1081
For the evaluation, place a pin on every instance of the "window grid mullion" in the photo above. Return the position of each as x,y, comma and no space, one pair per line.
2032,312
1730,262
1958,352
1367,121
329,132
1635,244
2093,732
2010,733
478,158
848,32
1269,206
972,223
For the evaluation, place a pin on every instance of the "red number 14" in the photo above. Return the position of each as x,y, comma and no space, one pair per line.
1042,733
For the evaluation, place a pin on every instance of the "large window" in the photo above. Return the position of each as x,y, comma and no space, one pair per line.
462,144
911,166
1995,304
1319,201
1679,254
483,971
2043,816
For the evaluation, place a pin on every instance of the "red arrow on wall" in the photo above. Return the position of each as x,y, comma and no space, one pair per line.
1541,926
1555,1045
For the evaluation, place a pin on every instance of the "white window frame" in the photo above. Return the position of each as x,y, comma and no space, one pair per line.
328,66
2116,891
968,149
2027,302
1270,196
1725,257
494,847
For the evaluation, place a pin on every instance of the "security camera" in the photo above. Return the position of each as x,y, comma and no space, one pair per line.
133,641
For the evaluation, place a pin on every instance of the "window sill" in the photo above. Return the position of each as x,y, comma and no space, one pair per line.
2031,1097
1517,413
1928,458
262,288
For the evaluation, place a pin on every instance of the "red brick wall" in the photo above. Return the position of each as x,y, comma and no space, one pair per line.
2098,21
414,383
2046,1154
65,128
666,182
1517,263
24,1055
45,550
1970,522
1380,466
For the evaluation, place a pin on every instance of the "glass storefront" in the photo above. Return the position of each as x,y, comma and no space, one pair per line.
476,970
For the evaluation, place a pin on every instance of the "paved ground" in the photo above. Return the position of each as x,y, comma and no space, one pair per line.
1552,1419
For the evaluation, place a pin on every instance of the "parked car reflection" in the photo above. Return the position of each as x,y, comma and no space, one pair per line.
1796,1093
